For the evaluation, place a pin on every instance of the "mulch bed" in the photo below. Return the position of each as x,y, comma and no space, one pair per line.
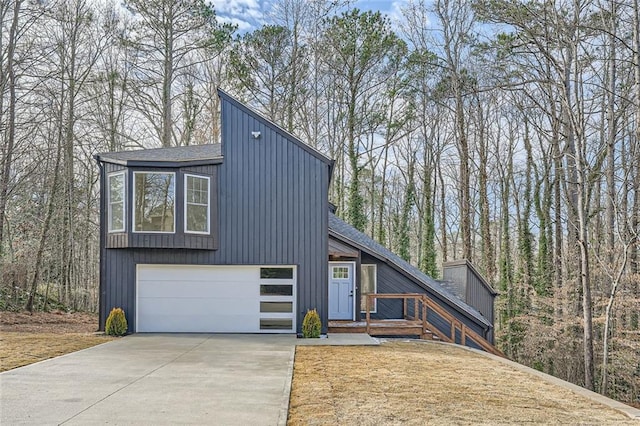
48,322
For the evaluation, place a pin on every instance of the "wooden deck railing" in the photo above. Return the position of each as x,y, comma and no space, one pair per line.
421,306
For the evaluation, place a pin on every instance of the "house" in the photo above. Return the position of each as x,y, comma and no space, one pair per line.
240,237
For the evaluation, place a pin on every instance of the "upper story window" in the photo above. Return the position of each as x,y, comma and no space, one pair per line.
116,202
154,202
196,206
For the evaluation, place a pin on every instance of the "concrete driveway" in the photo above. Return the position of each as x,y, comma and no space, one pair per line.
156,379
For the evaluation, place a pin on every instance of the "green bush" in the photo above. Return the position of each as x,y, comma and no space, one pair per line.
311,325
116,323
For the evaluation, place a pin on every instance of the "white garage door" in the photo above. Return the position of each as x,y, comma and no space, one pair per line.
216,299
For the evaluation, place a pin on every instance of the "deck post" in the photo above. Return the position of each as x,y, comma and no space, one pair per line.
368,303
405,312
424,317
416,313
453,330
463,331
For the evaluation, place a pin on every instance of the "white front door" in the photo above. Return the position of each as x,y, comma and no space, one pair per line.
341,289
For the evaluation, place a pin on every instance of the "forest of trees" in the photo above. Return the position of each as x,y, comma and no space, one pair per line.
506,132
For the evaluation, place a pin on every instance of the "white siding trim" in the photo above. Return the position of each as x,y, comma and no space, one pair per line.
133,202
186,229
124,202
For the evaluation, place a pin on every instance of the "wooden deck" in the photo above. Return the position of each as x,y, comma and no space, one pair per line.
391,327
414,323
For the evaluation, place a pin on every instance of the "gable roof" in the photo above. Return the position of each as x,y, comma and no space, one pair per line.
179,156
317,154
350,235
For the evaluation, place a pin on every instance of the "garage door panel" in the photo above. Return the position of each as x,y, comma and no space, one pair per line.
189,273
201,324
177,289
197,306
196,298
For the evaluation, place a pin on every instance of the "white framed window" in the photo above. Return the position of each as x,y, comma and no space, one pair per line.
154,208
368,285
116,217
196,204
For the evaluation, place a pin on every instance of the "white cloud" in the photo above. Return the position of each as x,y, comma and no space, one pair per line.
242,25
244,13
395,12
238,8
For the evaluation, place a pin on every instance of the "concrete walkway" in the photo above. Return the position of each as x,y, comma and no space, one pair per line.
341,339
156,379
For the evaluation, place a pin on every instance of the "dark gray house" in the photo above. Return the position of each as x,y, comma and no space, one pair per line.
239,237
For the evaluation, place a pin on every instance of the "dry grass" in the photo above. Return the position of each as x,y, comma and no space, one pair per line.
27,338
18,349
402,383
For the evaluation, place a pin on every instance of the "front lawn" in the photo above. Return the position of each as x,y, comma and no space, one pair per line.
401,383
27,338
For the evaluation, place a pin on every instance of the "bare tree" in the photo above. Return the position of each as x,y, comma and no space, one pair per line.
166,36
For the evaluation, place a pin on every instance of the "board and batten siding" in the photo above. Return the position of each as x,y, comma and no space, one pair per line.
272,209
390,280
471,288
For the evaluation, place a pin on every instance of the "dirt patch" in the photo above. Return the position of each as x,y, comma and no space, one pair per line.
417,383
27,338
48,322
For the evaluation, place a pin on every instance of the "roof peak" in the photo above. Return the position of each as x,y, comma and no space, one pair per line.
313,151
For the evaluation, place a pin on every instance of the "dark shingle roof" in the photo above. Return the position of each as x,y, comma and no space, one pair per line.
351,235
178,156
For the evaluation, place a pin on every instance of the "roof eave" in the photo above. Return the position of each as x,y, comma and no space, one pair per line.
159,164
359,246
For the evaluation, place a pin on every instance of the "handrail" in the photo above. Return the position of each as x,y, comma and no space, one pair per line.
464,331
421,315
405,296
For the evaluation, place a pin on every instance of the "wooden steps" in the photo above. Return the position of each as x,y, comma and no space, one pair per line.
415,313
394,327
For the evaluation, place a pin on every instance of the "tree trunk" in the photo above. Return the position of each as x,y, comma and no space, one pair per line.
611,137
44,233
167,81
465,204
486,238
443,215
607,321
635,222
355,205
7,158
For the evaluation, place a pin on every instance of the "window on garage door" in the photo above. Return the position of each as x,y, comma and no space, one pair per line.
277,292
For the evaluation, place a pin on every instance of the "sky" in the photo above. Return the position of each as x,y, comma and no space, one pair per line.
249,14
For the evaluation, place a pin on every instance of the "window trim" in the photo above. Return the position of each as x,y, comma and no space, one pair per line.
133,202
123,173
186,203
375,287
293,299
